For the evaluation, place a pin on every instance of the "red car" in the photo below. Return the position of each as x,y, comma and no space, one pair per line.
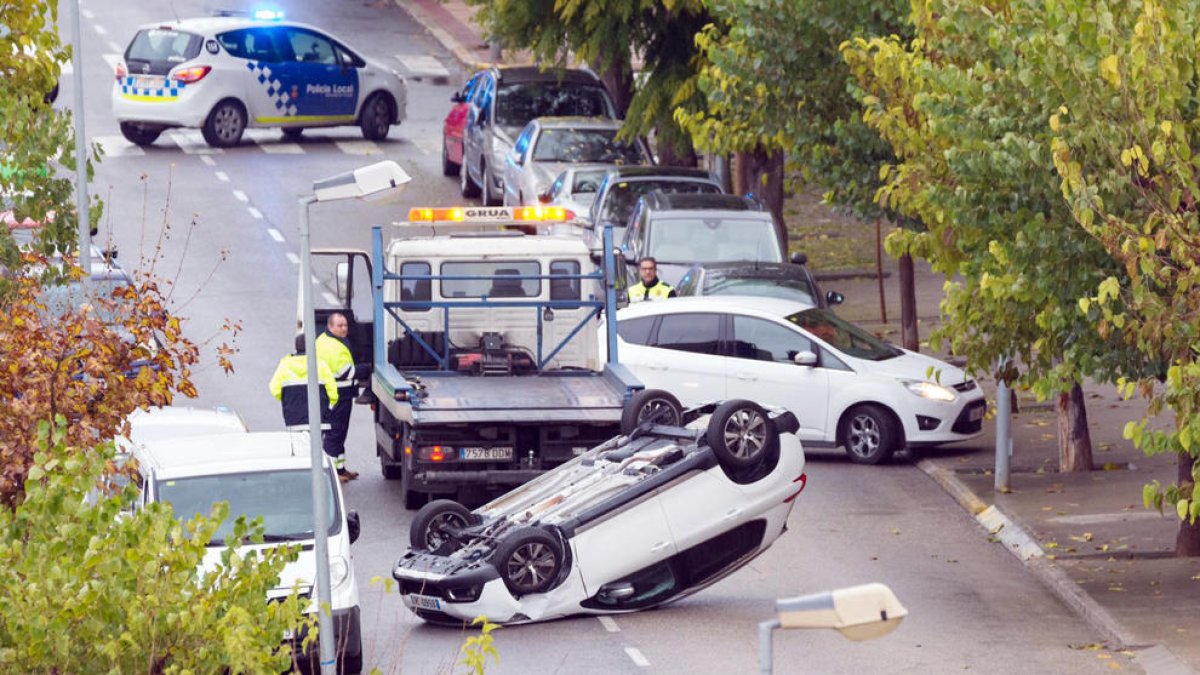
452,128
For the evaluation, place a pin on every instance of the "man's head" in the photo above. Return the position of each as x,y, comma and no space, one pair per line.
337,325
299,344
648,270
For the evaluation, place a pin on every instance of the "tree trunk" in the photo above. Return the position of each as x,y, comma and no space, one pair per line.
674,147
761,173
618,79
908,305
1187,542
1074,439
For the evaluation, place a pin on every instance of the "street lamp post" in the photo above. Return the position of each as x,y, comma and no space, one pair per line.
81,195
375,181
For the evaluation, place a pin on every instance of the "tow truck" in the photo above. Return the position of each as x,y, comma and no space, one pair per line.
483,334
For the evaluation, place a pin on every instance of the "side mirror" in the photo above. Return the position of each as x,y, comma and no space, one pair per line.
805,358
799,258
343,283
353,525
834,298
544,198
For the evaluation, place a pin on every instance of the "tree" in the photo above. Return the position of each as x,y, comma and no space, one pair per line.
607,34
1124,143
964,107
88,588
778,90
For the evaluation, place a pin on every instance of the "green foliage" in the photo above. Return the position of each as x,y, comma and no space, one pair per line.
85,587
478,647
775,80
1123,147
964,106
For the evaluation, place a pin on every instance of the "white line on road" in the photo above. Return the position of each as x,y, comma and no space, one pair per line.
255,212
359,147
638,659
221,175
192,142
101,30
609,624
428,146
87,13
275,234
293,258
114,46
241,196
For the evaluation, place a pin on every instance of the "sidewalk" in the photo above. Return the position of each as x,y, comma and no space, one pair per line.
1084,536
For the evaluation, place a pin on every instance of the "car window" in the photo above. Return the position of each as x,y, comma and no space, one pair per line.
699,239
587,182
416,290
585,145
349,58
564,289
699,333
789,289
843,335
636,331
308,47
623,196
517,104
500,287
158,50
256,44
763,340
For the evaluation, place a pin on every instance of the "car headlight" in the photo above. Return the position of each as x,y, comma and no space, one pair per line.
339,571
930,390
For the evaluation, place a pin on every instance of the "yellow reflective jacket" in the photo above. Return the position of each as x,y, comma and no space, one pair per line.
334,353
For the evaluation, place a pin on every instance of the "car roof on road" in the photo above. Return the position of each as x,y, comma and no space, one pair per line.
519,74
226,453
737,304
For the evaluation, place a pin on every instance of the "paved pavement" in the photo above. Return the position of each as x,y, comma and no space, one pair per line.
1085,536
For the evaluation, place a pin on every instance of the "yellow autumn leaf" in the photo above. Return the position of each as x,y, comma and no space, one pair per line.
1109,70
1054,123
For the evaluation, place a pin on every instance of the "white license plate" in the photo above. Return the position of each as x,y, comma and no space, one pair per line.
976,414
425,602
579,450
149,81
495,454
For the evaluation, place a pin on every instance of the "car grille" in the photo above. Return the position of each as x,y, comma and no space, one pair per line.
963,424
965,386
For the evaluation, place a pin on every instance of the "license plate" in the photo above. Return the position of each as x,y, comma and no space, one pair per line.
579,450
425,602
976,414
494,454
149,81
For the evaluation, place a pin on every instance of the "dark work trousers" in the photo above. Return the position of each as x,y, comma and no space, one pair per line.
334,440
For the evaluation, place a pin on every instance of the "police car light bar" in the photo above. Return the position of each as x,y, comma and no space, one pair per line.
268,15
501,215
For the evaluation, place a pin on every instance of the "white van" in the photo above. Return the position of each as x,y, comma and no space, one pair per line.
264,474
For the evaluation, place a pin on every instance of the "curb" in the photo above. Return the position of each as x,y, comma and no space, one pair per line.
424,16
1153,659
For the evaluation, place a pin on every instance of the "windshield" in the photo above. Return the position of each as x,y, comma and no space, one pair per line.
843,335
283,499
699,239
517,104
585,145
623,197
788,289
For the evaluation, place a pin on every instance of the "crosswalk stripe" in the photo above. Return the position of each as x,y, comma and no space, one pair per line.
419,65
192,142
117,146
428,146
275,234
358,147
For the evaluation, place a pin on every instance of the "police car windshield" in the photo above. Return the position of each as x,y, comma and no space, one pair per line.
155,51
517,104
700,239
585,145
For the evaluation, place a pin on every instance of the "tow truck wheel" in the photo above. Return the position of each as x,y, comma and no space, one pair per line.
225,124
651,405
433,525
391,470
139,134
740,434
529,561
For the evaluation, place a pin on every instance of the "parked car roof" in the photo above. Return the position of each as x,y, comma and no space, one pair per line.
226,453
635,172
659,201
510,74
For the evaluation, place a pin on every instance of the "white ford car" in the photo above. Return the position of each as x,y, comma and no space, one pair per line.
679,501
224,74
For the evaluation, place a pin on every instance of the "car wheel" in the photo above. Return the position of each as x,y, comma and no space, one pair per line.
293,133
869,434
651,405
225,124
485,190
376,118
740,434
448,168
389,469
529,561
433,525
467,186
413,499
139,134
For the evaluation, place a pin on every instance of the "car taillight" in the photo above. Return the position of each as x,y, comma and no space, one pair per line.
190,75
121,71
802,479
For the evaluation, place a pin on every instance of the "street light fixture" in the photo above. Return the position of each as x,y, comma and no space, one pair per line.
370,183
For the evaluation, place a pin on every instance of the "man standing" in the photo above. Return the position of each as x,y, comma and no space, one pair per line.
334,353
289,385
649,288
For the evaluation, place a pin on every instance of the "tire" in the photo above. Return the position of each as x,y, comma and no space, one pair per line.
740,434
485,192
448,168
292,133
428,526
389,469
529,560
413,499
225,124
869,435
649,404
139,134
376,118
466,185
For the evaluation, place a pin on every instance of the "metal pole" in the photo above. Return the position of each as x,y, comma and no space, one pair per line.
610,293
81,195
764,646
1003,426
320,482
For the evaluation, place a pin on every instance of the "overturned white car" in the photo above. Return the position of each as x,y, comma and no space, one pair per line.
674,504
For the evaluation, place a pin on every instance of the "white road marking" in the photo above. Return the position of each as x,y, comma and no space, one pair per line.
275,234
222,176
240,196
269,141
112,60
281,148
100,30
115,47
330,300
422,66
428,145
638,660
87,14
293,258
192,142
255,213
609,624
359,147
117,146
209,161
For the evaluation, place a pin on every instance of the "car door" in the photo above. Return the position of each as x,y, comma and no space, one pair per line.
255,49
617,545
685,358
343,284
476,132
702,506
762,368
322,90
514,165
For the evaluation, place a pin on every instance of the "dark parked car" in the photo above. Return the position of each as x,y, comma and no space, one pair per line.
624,186
790,281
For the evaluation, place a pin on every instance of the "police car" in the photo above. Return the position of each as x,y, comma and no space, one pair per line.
224,74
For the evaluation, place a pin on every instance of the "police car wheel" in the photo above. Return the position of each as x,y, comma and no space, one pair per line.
376,118
139,134
225,124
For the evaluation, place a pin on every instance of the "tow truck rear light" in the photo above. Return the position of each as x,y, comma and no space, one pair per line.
434,453
190,75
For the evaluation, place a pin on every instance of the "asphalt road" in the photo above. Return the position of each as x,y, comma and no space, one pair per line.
220,226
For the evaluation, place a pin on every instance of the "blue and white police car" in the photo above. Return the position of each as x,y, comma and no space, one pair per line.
224,74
